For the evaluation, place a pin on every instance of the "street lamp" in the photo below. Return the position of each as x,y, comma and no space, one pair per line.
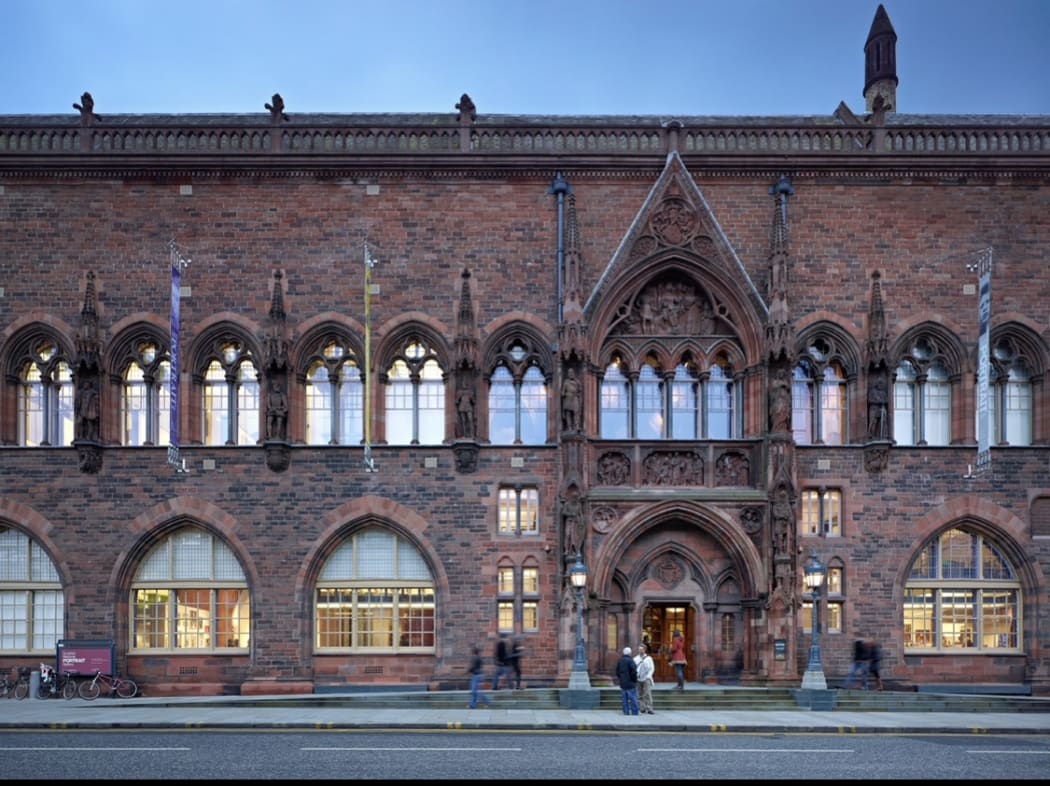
579,680
814,572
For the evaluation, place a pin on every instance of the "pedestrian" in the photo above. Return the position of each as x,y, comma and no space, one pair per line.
627,674
502,658
517,649
859,669
476,669
678,658
646,667
874,662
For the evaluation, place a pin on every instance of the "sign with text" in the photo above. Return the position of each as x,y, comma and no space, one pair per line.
85,657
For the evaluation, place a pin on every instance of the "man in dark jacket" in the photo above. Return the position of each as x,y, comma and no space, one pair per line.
502,658
627,674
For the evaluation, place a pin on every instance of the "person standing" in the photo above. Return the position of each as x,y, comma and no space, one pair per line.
859,669
502,658
517,649
678,658
646,667
627,674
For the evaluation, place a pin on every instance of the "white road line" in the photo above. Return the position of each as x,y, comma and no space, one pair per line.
746,750
373,748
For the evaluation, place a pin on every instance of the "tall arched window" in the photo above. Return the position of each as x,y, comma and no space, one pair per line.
375,593
517,397
962,594
922,396
334,397
648,402
45,398
190,593
231,397
32,603
145,403
688,405
615,402
819,396
1010,401
415,397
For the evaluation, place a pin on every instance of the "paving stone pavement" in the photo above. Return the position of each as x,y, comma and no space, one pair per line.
244,712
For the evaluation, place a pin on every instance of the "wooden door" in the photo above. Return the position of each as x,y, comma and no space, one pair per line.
659,622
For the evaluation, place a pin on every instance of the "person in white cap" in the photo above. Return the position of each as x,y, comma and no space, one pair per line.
627,674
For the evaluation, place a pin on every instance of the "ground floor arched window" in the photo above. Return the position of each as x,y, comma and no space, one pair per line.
375,593
32,602
962,595
190,594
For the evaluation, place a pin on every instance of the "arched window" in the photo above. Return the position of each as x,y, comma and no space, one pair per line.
648,402
689,405
231,397
1010,399
922,397
415,397
32,604
45,398
962,594
615,402
517,398
145,402
334,397
375,593
819,396
190,593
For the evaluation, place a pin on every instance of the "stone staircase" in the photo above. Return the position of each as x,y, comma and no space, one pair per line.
696,698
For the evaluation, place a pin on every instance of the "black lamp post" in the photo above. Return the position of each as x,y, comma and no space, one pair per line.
579,678
813,575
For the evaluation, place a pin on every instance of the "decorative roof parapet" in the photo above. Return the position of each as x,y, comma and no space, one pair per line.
243,137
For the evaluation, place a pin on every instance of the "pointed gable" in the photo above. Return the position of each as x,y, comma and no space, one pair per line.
675,272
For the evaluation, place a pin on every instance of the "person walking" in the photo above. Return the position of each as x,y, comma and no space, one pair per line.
627,674
678,658
646,667
859,670
517,649
476,669
874,663
502,658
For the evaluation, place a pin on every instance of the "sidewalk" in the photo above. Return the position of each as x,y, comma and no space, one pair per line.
236,712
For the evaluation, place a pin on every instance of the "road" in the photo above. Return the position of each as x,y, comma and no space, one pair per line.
132,754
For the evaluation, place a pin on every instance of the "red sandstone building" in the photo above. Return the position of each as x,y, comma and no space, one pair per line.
423,361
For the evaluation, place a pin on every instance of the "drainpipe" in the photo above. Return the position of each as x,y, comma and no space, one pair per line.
560,187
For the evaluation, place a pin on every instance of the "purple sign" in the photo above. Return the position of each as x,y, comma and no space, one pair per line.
85,657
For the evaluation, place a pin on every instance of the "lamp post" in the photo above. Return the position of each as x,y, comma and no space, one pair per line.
813,575
579,679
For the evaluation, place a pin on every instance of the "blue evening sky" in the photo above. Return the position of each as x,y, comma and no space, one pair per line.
661,57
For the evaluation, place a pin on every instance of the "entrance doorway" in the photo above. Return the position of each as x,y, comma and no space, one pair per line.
659,622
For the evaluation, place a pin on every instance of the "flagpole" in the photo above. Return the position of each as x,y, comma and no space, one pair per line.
369,462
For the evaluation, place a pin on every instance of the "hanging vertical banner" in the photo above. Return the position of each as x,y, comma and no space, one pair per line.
370,262
984,314
176,288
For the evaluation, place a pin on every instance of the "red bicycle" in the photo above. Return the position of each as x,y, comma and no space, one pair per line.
115,686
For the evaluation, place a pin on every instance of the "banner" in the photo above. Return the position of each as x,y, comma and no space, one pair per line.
176,288
984,314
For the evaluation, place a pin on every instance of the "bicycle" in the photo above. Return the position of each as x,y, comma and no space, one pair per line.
123,687
19,688
52,684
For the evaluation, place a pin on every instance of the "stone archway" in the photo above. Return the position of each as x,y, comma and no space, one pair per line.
684,562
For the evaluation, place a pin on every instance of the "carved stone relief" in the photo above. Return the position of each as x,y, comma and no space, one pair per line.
673,468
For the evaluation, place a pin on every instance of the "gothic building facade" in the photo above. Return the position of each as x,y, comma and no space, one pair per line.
298,403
